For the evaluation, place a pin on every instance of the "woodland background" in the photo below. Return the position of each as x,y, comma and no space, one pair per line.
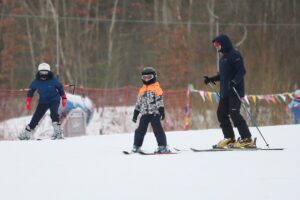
106,43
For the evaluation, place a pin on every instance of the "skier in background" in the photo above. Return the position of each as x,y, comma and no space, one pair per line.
151,106
294,106
231,76
50,91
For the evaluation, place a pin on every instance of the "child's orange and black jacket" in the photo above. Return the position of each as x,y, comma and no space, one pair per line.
150,99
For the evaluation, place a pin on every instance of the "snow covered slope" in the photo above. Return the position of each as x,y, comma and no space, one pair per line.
93,168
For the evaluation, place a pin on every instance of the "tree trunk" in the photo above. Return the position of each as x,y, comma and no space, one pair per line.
110,43
31,47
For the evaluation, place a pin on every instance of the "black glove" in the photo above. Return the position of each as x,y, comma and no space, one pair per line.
162,112
135,115
232,84
208,80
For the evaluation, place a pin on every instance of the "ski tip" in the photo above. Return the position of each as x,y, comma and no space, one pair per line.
126,152
274,149
176,149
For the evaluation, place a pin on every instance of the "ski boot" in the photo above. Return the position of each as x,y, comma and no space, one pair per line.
136,149
245,143
57,131
224,143
162,150
26,135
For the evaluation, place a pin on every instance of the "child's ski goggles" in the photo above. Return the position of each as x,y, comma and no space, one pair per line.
147,77
43,72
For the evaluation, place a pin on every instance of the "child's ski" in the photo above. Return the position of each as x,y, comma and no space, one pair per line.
147,153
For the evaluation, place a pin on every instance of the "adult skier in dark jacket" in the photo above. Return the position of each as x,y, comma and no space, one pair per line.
50,91
231,75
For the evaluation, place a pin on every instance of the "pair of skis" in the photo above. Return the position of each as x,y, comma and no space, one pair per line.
236,149
204,150
147,153
250,148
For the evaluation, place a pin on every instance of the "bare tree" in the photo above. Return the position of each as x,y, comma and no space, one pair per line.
111,41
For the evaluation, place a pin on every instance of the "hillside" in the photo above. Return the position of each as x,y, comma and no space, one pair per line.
93,168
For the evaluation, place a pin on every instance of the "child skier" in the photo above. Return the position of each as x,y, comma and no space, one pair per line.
50,90
294,106
150,104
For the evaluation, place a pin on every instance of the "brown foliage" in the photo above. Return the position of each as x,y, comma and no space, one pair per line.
174,36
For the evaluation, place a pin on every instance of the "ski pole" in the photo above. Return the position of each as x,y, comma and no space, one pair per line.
251,117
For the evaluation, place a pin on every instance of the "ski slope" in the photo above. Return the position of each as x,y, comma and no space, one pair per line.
94,168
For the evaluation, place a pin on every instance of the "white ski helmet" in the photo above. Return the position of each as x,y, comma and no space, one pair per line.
44,66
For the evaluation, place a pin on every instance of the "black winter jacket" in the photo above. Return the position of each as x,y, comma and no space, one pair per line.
231,68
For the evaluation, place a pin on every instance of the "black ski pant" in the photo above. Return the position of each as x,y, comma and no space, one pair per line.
229,107
41,110
159,133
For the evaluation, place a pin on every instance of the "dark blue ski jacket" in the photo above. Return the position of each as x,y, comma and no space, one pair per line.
231,67
49,90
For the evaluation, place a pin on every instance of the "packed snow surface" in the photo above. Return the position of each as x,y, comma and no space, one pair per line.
94,168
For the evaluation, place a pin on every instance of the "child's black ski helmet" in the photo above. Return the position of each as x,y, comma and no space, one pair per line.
149,71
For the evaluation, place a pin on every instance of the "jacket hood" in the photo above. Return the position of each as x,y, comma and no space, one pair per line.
226,44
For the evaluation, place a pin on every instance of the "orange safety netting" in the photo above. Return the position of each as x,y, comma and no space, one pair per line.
12,102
